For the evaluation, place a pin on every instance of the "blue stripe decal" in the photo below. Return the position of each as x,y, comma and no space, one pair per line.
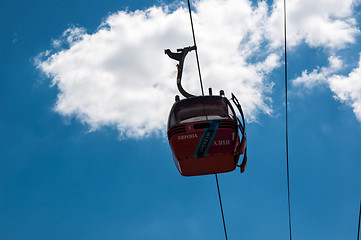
196,153
206,140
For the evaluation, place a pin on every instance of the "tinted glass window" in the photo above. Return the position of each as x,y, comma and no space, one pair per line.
200,109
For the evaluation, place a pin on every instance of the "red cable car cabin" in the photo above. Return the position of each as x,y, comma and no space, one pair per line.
203,135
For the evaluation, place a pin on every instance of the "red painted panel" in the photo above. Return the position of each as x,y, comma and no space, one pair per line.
221,155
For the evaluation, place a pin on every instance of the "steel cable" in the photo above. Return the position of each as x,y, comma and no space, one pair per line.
220,203
195,44
359,219
286,100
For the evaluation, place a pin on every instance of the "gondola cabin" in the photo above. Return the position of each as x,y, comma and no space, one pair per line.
203,135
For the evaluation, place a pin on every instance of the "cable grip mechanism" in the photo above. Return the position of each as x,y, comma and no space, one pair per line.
180,56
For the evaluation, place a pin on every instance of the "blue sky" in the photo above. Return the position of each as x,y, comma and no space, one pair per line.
85,93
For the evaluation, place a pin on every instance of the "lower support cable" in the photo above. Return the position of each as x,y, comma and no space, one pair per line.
220,203
359,220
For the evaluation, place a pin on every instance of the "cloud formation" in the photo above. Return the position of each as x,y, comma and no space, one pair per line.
323,23
319,75
119,76
348,89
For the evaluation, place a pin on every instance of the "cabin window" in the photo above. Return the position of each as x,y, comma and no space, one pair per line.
200,109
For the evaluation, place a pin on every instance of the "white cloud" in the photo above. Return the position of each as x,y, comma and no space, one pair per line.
120,77
348,89
321,23
319,75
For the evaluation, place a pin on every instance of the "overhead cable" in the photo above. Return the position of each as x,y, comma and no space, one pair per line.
286,100
195,44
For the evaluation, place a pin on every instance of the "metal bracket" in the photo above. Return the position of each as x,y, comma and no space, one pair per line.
180,56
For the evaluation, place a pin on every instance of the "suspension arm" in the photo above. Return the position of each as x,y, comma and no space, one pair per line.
180,56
